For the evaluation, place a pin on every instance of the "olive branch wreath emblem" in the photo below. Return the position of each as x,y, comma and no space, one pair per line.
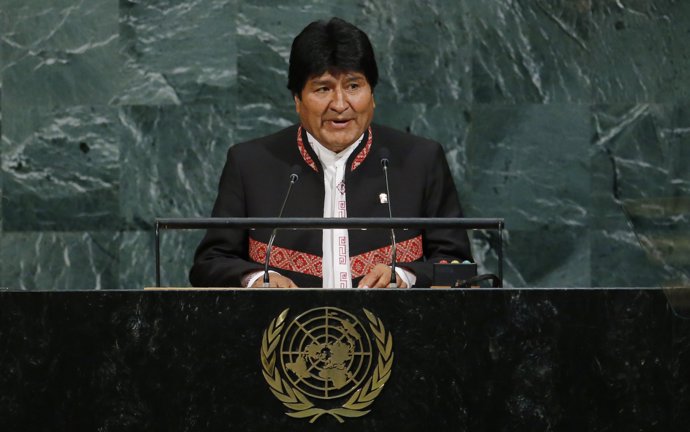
301,407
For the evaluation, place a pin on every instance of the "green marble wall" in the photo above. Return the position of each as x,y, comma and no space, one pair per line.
569,118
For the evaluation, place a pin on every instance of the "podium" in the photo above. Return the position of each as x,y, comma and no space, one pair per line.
473,359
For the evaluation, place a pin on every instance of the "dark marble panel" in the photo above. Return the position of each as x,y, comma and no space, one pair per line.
48,260
60,169
530,51
60,53
639,51
641,185
2,147
422,48
137,260
530,165
255,120
264,37
537,258
171,164
640,155
463,360
404,117
627,258
178,52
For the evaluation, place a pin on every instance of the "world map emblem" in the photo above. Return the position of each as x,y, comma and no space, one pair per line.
326,362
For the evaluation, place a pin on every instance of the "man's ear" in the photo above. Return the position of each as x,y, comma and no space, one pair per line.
298,102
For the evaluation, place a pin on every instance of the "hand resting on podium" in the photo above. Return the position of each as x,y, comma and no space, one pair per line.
275,280
378,277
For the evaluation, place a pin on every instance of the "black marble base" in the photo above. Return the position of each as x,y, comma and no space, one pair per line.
479,360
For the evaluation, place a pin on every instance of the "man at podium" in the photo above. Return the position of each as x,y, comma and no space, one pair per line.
336,152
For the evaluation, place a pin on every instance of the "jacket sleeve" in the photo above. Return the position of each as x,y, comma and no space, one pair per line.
440,201
221,259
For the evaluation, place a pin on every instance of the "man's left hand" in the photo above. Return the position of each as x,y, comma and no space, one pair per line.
379,277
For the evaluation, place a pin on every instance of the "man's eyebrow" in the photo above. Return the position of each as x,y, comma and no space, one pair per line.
320,81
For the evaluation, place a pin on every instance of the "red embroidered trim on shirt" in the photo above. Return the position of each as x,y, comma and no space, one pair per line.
303,151
406,251
302,262
363,154
286,259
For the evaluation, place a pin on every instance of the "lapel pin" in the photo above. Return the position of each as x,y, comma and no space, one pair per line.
383,198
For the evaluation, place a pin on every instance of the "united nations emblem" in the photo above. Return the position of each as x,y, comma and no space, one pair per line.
324,362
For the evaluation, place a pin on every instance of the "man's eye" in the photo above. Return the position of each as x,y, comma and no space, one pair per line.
322,89
354,86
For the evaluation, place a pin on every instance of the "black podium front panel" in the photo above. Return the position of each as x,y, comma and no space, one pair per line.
441,360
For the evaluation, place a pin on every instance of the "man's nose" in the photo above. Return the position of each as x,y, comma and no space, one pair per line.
339,102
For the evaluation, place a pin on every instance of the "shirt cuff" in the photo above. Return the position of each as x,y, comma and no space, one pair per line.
249,279
406,276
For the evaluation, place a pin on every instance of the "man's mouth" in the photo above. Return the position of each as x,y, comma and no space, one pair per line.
338,123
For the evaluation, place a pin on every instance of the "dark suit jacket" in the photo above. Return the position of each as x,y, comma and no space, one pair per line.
255,180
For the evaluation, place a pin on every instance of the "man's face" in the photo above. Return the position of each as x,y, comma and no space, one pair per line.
336,110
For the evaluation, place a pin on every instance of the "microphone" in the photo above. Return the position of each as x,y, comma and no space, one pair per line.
295,171
384,153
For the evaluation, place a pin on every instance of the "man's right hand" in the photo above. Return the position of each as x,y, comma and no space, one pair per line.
275,281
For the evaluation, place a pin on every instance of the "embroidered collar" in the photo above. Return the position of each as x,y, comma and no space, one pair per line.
355,163
329,158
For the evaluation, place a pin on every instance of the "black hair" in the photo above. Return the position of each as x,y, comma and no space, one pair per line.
334,46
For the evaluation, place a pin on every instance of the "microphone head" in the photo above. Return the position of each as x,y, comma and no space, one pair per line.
384,154
295,171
